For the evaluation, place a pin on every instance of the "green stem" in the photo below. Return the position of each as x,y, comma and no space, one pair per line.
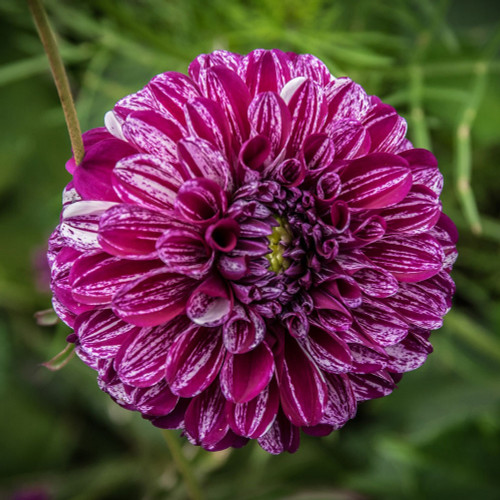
60,77
183,466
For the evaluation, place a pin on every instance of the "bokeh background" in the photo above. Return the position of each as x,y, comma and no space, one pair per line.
438,435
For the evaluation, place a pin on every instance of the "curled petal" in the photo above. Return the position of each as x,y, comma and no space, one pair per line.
210,303
318,153
200,202
185,252
243,331
223,235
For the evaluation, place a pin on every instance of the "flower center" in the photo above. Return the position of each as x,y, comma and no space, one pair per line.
278,242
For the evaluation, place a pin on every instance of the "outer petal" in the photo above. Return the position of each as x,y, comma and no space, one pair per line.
424,169
243,330
346,100
101,333
205,420
409,258
341,405
265,70
311,67
409,354
244,376
147,181
129,231
282,436
194,360
372,385
141,360
375,181
303,392
151,133
254,418
153,299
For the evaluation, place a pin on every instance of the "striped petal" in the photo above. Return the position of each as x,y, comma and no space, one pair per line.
155,298
281,436
194,360
244,376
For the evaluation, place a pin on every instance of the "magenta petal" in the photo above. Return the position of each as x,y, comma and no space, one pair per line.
281,436
154,401
318,153
266,70
97,277
269,116
221,84
210,303
386,128
216,58
253,418
341,404
376,282
154,299
424,169
205,421
141,360
139,101
175,418
206,120
200,202
329,352
92,177
101,333
244,376
131,232
223,235
409,354
380,322
371,386
201,158
303,392
346,100
243,330
309,111
375,181
173,90
185,252
147,181
252,158
350,137
417,213
311,67
409,258
194,360
151,133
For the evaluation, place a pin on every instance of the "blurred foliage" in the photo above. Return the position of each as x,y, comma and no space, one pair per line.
438,436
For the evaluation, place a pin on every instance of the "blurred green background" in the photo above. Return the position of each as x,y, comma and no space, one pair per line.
438,435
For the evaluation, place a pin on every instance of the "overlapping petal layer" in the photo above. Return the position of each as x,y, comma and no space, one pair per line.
251,250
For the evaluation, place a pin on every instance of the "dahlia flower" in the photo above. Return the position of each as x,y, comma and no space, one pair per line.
251,250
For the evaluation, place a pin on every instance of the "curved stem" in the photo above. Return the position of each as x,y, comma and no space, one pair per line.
183,466
60,77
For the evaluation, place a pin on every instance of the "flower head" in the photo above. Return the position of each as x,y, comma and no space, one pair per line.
251,250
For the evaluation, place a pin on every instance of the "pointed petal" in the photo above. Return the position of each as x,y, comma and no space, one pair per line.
350,137
346,100
372,385
266,70
386,128
153,299
194,360
216,58
341,405
424,169
311,67
154,401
